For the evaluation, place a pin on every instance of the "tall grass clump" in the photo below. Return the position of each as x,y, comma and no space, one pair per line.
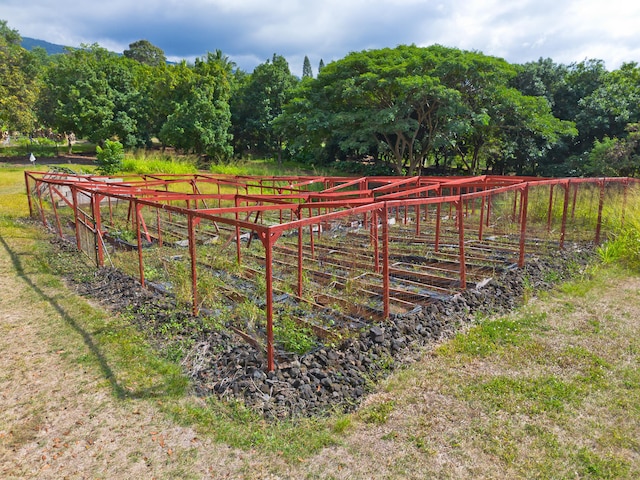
262,167
143,163
623,243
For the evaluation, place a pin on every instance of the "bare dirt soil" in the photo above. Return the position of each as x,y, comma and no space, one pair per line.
59,160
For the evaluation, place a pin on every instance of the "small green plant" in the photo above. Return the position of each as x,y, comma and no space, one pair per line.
342,424
493,336
110,157
293,337
125,234
377,413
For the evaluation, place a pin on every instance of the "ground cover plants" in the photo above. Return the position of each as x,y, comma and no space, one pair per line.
549,391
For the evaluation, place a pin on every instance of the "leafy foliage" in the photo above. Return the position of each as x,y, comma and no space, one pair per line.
19,83
405,105
306,68
110,157
260,101
145,52
403,110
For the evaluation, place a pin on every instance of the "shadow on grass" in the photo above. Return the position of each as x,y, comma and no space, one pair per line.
120,392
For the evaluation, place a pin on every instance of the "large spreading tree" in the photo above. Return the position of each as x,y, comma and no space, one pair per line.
404,104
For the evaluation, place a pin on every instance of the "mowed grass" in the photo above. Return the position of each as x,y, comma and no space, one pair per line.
549,391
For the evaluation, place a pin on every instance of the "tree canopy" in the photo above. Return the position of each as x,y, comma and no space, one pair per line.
145,52
406,104
19,82
402,110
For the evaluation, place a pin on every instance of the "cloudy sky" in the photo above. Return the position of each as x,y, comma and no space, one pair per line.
251,31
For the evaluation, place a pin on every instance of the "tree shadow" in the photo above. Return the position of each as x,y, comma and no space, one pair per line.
120,392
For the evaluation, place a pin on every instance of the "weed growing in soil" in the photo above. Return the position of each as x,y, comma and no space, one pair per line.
377,413
293,337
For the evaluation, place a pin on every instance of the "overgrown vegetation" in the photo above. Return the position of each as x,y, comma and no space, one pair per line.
143,162
623,245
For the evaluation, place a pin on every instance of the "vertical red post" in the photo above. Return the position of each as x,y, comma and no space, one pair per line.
268,248
238,252
374,238
416,210
550,210
437,239
385,260
97,220
481,225
523,223
139,240
299,262
463,267
26,183
565,210
600,205
74,197
192,255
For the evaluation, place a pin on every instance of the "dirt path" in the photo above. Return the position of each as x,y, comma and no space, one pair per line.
60,420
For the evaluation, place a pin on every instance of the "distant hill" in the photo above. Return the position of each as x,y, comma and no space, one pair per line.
51,48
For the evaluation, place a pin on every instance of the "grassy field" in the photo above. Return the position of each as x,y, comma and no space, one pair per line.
549,391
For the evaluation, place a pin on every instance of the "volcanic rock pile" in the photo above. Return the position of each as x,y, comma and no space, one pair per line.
220,362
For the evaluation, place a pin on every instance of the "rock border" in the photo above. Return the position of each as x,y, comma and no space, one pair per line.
219,362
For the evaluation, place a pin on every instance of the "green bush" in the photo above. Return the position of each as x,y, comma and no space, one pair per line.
110,157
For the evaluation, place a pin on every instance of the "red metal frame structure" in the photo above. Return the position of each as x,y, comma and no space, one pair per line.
468,224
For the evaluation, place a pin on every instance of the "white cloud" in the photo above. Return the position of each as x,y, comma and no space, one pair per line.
252,30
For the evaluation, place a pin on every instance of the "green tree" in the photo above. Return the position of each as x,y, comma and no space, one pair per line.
199,117
306,68
320,65
500,124
19,82
97,95
616,156
408,104
261,100
145,52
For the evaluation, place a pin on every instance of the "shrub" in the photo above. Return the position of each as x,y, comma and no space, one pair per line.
110,157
